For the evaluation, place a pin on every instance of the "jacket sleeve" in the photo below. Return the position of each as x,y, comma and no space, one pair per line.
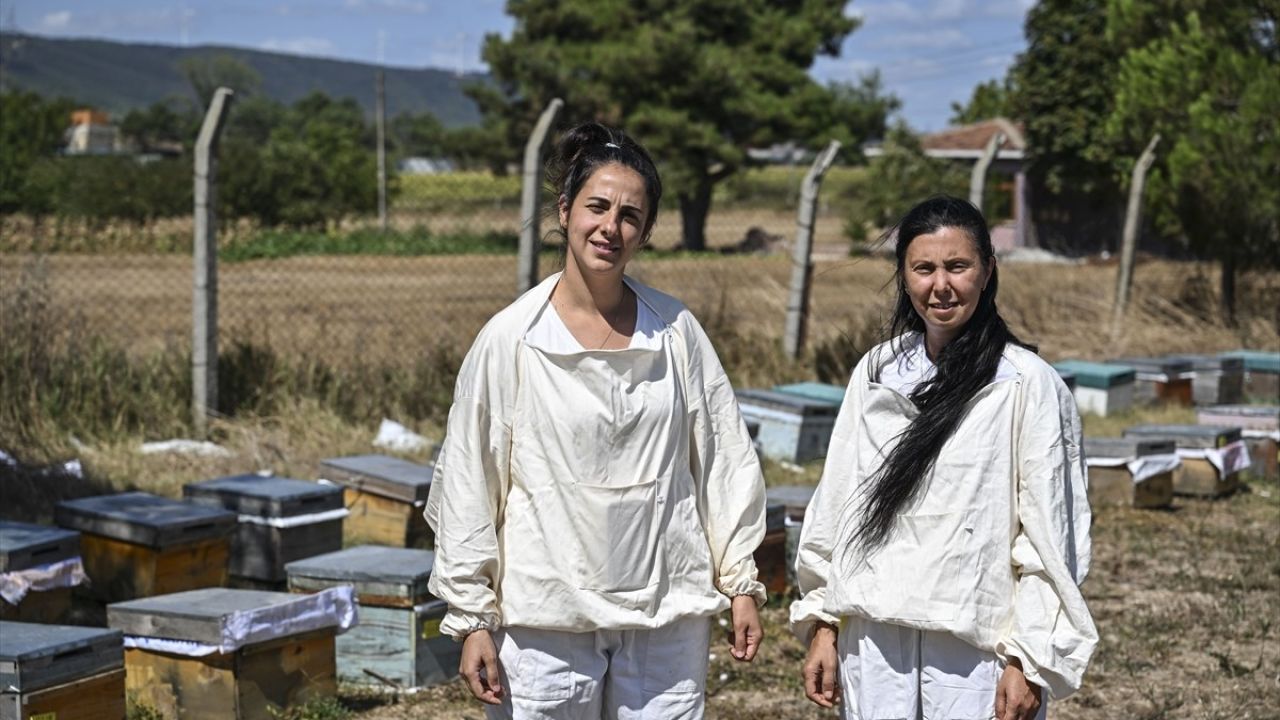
1052,632
727,471
822,519
468,494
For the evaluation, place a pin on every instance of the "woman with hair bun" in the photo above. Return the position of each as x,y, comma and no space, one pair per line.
597,499
942,551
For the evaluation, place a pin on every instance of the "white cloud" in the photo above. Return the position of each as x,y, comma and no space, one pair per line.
893,11
399,7
299,46
54,21
930,40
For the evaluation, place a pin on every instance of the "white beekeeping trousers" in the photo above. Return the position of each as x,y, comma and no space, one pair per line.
891,672
657,674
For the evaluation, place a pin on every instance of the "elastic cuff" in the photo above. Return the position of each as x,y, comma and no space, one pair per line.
754,588
459,624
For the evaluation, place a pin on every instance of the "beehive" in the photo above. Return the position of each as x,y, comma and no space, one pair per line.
1159,380
1215,380
1131,472
794,500
60,672
792,428
398,641
385,496
1099,388
137,544
771,555
1260,429
235,654
822,392
1211,456
38,567
279,520
1261,374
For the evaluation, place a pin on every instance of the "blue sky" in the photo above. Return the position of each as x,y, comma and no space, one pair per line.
929,52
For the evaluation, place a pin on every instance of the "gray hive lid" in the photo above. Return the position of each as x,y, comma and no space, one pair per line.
1259,361
200,616
1246,417
786,403
1127,447
794,497
34,656
1171,367
1190,437
381,474
24,546
144,519
268,497
379,573
1210,363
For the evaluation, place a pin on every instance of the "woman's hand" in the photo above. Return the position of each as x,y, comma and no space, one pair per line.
747,632
821,683
480,668
1016,697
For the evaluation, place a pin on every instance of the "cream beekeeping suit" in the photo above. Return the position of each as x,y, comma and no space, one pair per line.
993,550
597,489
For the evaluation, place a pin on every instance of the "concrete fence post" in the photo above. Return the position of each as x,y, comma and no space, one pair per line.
531,183
380,127
1132,221
204,305
978,177
801,258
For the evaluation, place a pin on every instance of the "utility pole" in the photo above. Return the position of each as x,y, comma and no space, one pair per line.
380,120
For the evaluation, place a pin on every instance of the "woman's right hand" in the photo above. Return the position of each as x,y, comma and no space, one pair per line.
480,668
821,683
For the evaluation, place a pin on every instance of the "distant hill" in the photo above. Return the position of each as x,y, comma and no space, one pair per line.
119,77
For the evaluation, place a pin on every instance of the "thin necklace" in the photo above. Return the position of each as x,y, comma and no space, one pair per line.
617,311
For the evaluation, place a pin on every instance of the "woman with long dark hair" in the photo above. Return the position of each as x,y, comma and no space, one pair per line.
941,554
597,499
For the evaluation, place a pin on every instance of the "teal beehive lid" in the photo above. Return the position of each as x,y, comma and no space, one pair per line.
833,394
1256,360
1097,375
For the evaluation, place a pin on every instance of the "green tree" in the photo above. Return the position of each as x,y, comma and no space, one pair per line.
989,100
698,81
174,120
31,128
419,134
1207,78
852,113
206,73
895,181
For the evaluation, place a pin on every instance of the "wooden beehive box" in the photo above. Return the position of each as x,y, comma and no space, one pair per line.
60,672
794,500
48,560
1198,475
792,428
385,496
398,641
1215,380
280,520
1112,480
1261,374
771,556
221,653
1159,380
1259,426
136,544
1100,389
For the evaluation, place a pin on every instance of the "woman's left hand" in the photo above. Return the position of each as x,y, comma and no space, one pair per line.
1016,697
747,632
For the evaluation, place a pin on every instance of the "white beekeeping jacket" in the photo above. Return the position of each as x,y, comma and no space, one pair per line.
608,489
994,549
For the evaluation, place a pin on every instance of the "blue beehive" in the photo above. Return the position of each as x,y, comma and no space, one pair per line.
792,428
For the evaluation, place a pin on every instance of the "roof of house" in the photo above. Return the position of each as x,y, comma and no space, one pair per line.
967,142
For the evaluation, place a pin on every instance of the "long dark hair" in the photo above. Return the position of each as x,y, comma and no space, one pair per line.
589,146
965,366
